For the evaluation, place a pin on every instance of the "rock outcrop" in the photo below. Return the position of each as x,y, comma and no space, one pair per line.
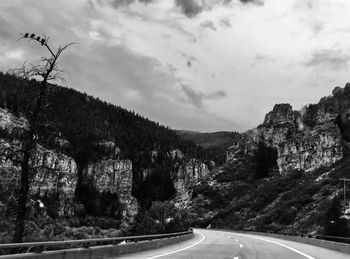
281,114
54,175
189,174
309,150
10,123
115,176
299,147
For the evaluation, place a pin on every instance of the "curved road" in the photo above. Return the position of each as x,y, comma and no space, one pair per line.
210,244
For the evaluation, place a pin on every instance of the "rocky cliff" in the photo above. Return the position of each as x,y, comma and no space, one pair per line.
189,174
115,176
55,175
299,145
284,175
11,123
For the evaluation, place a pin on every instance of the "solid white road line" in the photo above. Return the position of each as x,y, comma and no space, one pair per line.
288,247
182,249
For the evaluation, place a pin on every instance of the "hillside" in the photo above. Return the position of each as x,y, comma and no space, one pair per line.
97,169
83,121
210,140
116,169
285,175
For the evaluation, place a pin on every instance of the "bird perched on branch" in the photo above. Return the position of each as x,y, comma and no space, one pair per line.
26,35
42,41
38,38
32,35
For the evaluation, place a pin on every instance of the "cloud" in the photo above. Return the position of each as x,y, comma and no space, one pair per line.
197,98
225,22
333,59
259,58
258,2
217,95
189,7
119,3
209,25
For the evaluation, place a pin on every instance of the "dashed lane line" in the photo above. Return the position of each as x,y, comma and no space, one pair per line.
276,243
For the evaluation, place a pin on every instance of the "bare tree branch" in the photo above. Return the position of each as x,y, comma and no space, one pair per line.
47,70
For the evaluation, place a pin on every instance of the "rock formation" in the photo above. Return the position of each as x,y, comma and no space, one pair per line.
11,123
189,174
299,146
55,175
115,176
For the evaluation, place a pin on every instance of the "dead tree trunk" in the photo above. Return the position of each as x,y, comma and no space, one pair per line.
29,146
48,70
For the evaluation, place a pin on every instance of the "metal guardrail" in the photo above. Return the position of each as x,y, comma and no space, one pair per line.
38,247
345,240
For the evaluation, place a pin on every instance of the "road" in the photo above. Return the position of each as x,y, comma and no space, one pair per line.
209,244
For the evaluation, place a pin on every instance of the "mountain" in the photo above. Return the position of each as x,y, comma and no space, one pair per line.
95,162
99,170
210,140
283,176
215,142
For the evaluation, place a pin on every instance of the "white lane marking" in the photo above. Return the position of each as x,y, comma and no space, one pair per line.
276,243
182,249
236,257
240,245
236,239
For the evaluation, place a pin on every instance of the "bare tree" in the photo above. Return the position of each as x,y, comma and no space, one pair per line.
46,70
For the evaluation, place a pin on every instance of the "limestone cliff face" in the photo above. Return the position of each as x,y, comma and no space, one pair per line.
11,123
115,176
281,114
185,172
331,106
189,174
298,146
311,149
54,174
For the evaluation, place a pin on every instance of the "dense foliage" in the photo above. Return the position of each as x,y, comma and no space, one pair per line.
163,217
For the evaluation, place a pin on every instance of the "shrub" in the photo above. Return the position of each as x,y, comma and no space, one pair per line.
163,217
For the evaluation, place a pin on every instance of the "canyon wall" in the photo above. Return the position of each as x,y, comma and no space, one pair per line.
115,176
298,145
55,175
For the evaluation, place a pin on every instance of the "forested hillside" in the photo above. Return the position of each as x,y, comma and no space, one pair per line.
86,122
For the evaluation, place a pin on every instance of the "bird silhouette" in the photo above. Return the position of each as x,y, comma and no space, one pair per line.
42,41
38,38
32,35
26,35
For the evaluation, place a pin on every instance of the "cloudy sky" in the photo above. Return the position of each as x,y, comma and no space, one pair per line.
204,65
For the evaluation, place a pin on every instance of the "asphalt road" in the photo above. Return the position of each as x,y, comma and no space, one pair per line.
209,244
